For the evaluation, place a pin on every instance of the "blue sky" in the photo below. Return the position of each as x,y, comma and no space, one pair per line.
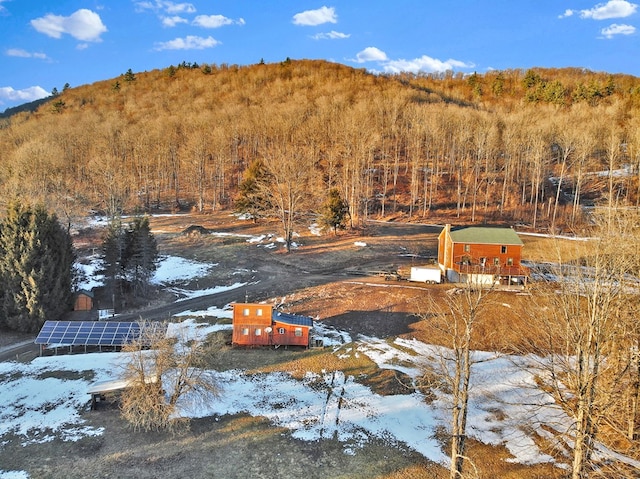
45,44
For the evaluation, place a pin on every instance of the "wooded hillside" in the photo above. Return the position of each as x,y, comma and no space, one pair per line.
506,146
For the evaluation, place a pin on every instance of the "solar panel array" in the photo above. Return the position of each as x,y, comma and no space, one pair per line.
93,333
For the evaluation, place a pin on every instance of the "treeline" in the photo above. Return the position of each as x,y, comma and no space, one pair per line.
510,146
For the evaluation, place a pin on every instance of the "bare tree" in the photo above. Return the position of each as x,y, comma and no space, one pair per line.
290,171
456,319
566,143
585,309
159,371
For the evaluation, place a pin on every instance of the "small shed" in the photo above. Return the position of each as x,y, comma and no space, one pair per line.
261,325
83,301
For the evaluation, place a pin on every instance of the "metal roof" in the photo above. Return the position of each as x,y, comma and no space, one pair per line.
486,235
293,319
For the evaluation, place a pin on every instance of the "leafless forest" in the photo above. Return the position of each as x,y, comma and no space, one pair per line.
529,147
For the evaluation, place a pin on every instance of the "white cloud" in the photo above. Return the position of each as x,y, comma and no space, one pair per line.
332,35
19,52
190,42
171,7
7,93
165,6
424,64
567,13
215,21
82,25
316,17
371,54
611,9
173,21
615,29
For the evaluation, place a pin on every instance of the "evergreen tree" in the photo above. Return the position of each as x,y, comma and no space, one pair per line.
498,85
334,211
129,76
36,268
141,255
112,253
128,256
252,198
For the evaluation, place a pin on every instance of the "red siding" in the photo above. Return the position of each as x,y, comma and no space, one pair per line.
290,334
253,329
250,322
480,258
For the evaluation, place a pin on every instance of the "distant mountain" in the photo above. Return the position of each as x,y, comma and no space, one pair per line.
25,107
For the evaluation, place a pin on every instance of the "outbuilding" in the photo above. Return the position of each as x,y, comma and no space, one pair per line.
83,301
261,325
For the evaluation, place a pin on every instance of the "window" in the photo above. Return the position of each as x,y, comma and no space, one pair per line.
503,249
298,332
496,261
509,261
483,261
258,331
246,312
467,248
245,331
259,312
281,331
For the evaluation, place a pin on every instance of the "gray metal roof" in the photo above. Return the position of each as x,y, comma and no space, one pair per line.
486,235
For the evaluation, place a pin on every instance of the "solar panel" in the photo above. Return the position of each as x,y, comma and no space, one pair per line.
96,333
293,319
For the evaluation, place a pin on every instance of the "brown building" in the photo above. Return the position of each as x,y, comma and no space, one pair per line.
481,255
83,301
261,325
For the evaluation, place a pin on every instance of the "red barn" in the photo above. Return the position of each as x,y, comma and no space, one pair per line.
261,325
482,255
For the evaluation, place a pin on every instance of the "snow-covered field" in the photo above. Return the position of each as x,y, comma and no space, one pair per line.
319,406
507,408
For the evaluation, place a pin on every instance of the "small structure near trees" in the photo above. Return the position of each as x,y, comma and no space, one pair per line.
83,300
261,325
481,255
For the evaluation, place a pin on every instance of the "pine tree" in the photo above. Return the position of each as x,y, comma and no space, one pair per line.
251,197
112,252
141,255
36,268
334,211
128,256
129,76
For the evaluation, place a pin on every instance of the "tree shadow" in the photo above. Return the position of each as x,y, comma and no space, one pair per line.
377,323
